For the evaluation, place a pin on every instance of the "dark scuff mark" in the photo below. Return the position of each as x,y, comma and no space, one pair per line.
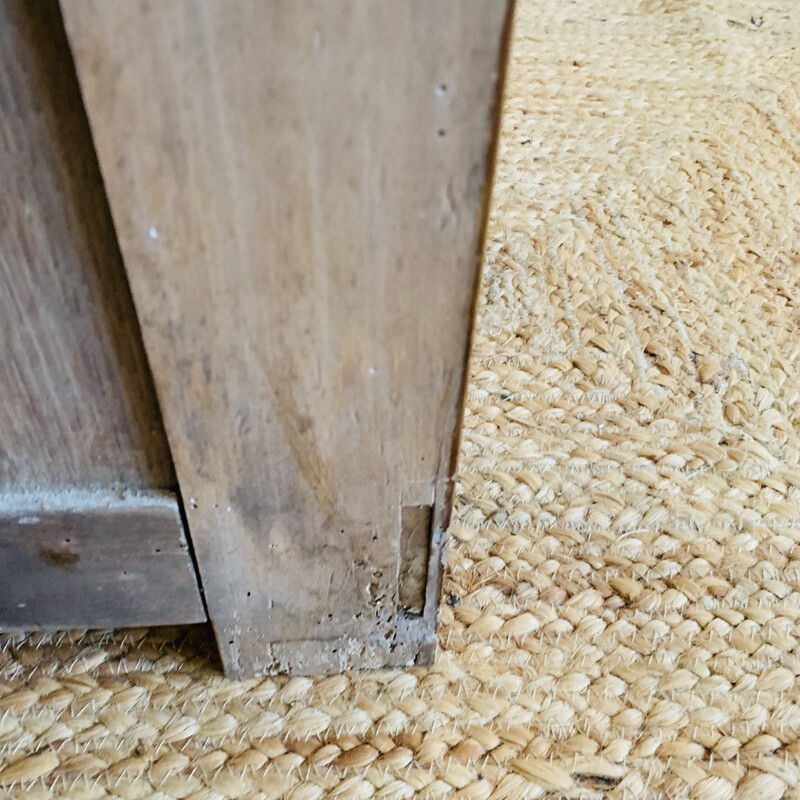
65,559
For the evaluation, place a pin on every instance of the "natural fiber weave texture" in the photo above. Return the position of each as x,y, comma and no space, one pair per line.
623,598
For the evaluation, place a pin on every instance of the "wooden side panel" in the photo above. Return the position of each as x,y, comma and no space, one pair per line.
80,559
299,189
79,423
77,406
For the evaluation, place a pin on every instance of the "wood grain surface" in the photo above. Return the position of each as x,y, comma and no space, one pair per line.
77,406
299,189
94,559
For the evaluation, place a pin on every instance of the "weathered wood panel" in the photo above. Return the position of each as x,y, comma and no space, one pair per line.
79,422
299,189
80,559
77,406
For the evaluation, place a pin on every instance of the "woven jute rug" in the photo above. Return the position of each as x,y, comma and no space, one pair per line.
622,605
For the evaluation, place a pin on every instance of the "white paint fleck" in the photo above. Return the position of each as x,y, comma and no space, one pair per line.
372,370
153,232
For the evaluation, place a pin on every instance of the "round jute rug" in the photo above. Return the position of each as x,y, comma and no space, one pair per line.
622,606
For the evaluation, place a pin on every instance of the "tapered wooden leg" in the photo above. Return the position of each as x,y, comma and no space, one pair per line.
299,188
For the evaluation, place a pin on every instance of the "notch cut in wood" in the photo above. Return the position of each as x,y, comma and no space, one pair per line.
415,536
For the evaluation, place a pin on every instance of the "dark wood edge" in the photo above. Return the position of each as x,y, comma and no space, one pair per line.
443,506
95,560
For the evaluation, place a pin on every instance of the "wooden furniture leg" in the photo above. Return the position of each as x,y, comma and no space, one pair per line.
300,188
